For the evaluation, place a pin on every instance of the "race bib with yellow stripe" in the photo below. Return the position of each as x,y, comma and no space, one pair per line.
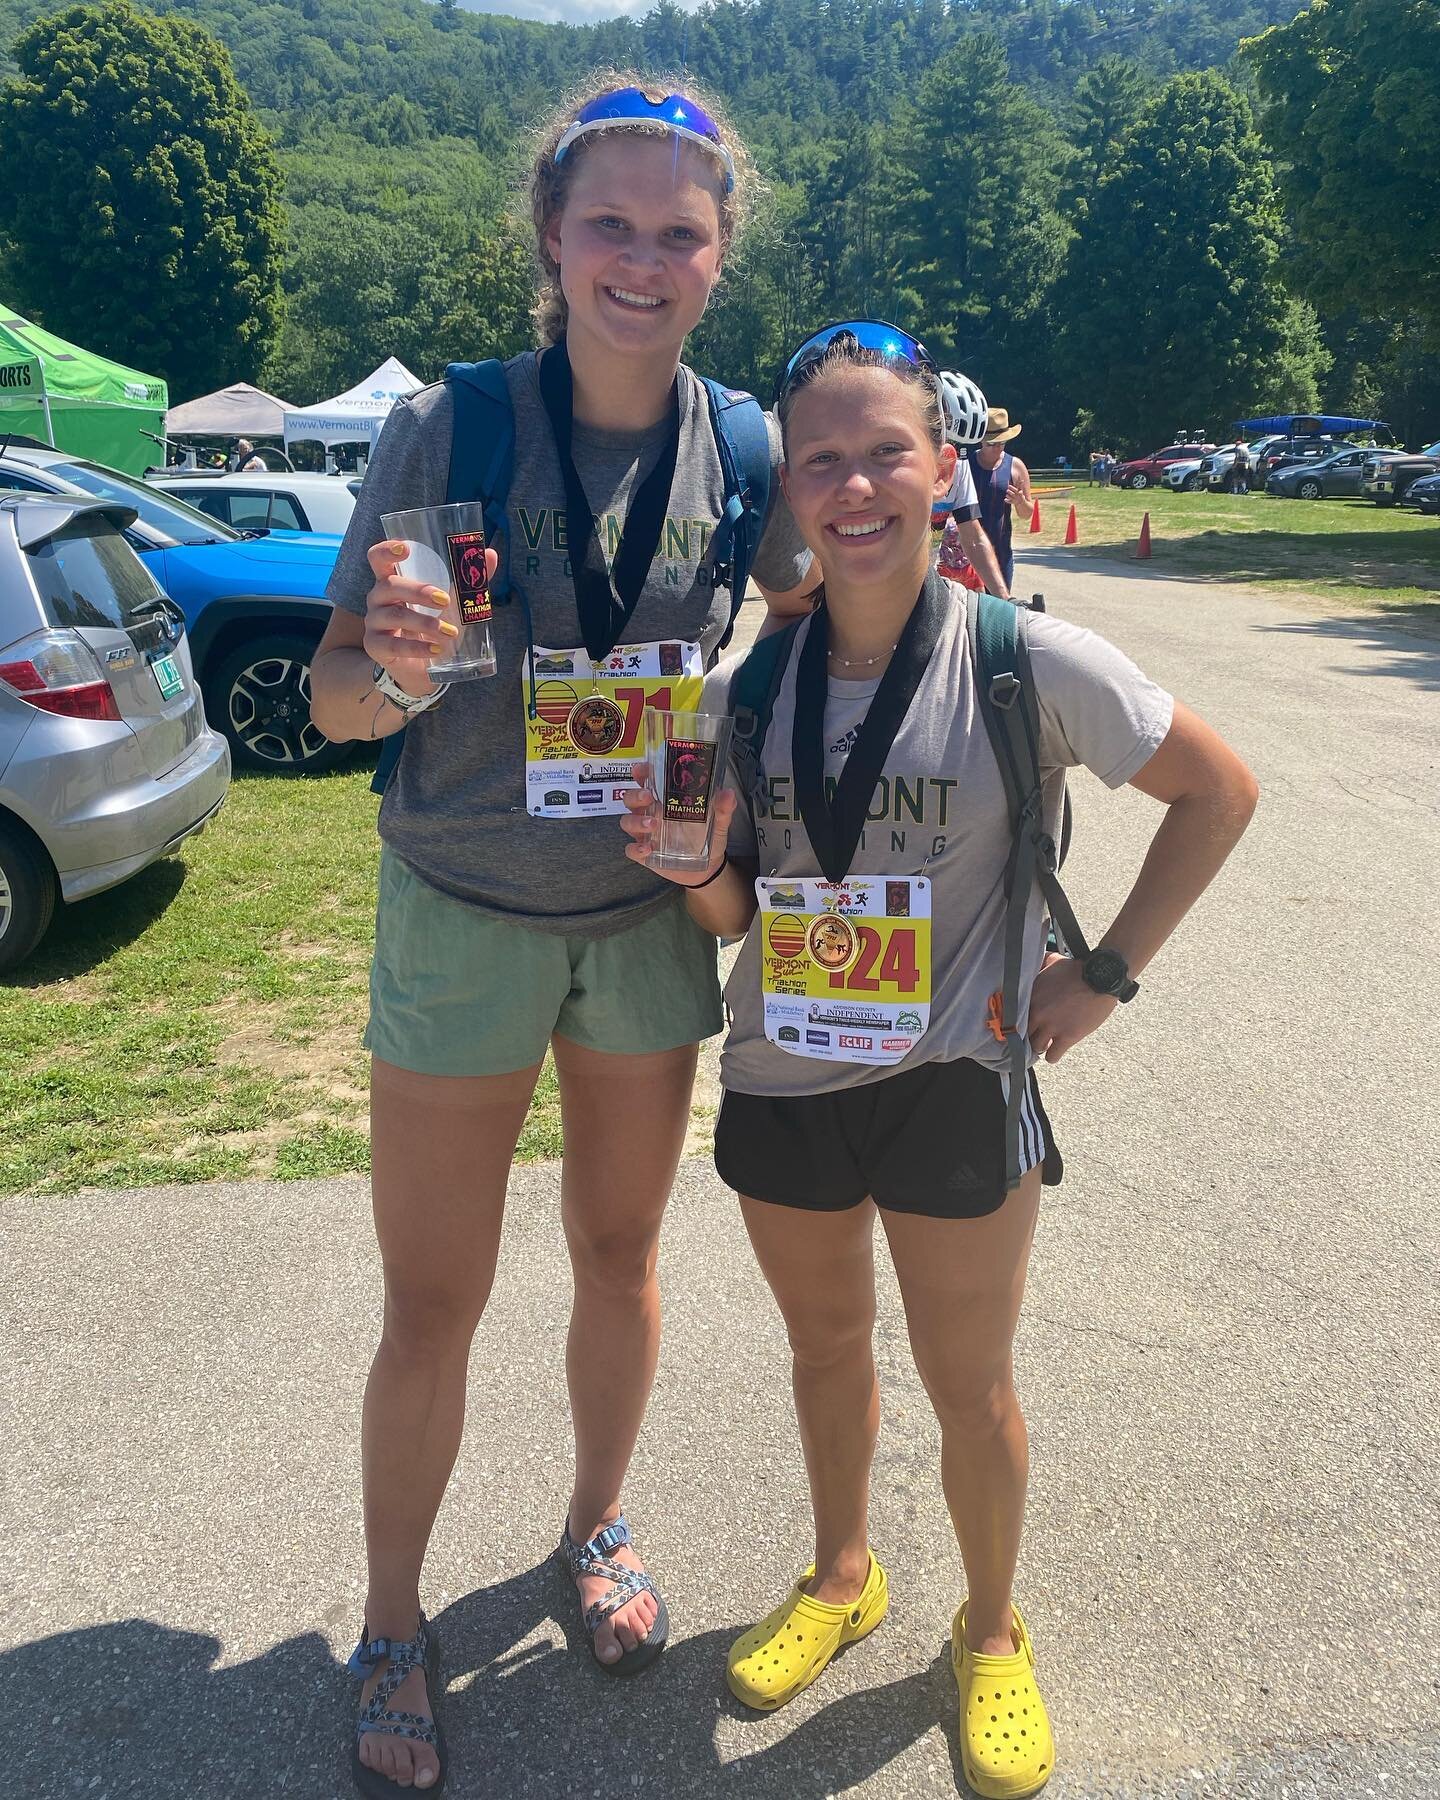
581,746
845,966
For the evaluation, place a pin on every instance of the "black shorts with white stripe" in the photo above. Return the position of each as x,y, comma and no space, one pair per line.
927,1140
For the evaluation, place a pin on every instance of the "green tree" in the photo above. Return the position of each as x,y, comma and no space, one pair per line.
1351,96
149,223
979,239
1171,309
488,311
1106,103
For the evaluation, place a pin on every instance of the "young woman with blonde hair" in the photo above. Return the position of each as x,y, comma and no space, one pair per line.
509,925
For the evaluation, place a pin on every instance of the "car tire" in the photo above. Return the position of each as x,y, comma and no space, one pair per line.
1190,485
1310,490
259,696
1139,481
27,896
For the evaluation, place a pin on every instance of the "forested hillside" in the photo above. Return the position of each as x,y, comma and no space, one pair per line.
933,160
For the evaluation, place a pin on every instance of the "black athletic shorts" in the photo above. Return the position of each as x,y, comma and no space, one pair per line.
927,1140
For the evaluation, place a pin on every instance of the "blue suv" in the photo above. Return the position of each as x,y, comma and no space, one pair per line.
254,605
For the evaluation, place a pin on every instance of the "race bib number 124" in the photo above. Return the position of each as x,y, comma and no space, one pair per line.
845,966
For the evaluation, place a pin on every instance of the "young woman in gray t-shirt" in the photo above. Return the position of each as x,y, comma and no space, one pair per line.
505,928
860,1073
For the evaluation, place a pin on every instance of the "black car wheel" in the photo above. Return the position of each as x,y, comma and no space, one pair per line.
27,896
1140,480
259,696
1310,490
1191,484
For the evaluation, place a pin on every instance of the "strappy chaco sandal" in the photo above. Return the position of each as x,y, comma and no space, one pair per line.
596,1557
421,1651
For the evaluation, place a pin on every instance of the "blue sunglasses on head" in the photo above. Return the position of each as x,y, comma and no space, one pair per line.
886,341
629,106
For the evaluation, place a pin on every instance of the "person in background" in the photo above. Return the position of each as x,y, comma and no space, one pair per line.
966,554
1239,481
1002,484
245,461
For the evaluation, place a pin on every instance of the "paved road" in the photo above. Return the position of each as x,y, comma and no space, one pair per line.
1228,1358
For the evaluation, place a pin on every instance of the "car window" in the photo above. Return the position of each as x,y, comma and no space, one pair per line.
9,478
208,500
87,575
163,512
251,511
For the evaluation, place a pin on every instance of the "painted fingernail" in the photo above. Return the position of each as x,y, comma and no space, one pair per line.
438,594
398,549
449,629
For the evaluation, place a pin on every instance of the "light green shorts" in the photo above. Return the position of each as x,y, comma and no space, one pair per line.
455,991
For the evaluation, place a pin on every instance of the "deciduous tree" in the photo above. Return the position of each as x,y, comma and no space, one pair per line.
148,222
1171,309
1351,96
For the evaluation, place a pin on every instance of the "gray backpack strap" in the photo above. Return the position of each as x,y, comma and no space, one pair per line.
1005,693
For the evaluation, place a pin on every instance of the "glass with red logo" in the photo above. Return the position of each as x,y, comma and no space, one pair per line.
684,769
445,548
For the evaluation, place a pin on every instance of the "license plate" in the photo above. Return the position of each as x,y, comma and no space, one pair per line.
168,677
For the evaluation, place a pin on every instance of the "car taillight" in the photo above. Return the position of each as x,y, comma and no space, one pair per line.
58,672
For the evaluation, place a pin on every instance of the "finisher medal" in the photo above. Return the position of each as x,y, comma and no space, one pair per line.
596,725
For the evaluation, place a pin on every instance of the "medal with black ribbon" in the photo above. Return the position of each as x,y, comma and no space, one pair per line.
605,599
835,826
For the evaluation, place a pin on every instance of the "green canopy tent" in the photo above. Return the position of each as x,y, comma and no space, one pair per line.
76,400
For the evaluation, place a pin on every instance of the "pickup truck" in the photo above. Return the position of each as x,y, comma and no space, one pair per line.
1387,480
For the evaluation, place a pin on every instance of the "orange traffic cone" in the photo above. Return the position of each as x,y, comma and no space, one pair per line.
1142,549
1035,519
1071,535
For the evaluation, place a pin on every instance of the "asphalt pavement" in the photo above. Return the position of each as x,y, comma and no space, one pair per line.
1228,1360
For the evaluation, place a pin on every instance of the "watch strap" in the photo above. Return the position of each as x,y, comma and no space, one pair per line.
409,704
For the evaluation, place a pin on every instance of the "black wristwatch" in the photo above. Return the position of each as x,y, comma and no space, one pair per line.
1108,973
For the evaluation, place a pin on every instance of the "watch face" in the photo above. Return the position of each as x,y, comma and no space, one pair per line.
1105,971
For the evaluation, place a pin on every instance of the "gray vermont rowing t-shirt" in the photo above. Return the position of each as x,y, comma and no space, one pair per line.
455,807
938,807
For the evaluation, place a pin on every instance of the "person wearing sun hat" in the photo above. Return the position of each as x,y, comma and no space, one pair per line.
1002,485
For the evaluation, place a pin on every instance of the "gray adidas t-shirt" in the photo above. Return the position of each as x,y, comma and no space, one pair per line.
939,808
455,808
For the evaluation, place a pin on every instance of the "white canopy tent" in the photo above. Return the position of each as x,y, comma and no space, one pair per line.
236,411
356,416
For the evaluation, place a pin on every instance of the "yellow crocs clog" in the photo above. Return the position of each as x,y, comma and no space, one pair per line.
1005,1741
779,1658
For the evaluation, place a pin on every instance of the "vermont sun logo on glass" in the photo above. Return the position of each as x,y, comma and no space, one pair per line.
689,765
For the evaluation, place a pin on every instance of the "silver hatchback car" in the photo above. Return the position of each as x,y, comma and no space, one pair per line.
106,761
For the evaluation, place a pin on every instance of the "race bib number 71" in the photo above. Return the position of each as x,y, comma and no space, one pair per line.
845,966
581,747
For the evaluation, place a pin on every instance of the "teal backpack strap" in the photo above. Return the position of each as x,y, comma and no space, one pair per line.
741,437
482,457
752,701
1005,694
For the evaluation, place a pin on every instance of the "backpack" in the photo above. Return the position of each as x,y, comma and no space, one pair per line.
1005,693
482,459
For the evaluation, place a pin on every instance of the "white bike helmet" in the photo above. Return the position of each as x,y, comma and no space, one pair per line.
965,410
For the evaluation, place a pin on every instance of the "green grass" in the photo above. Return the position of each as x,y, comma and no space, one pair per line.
204,1019
1341,552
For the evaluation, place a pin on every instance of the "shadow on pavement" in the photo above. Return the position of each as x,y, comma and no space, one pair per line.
1416,658
137,1708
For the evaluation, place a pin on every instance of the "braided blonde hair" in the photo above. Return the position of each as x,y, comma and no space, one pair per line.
550,181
